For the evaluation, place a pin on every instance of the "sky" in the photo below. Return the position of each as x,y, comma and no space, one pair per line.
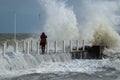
27,19
31,16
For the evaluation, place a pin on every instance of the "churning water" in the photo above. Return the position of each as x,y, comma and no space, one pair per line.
57,66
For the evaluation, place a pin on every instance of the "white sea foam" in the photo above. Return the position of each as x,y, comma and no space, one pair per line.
99,20
61,23
81,66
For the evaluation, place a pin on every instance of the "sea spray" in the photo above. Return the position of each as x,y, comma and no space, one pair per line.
99,20
61,23
106,36
101,23
94,13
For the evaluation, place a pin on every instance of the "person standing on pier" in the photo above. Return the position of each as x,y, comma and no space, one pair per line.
43,41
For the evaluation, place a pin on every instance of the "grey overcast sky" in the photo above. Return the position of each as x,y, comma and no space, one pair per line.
27,19
27,11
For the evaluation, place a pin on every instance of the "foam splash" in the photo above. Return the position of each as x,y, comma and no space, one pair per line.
61,23
106,36
86,66
16,64
81,66
100,23
99,19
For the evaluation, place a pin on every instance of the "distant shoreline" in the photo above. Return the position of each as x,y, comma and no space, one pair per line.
19,36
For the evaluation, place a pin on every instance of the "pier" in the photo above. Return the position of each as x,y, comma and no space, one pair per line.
75,48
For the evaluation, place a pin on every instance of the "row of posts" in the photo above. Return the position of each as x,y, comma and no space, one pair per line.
27,46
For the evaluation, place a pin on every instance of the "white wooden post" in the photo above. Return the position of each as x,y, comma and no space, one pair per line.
47,47
63,46
24,45
31,45
38,46
83,45
27,47
16,47
4,48
55,46
70,45
77,45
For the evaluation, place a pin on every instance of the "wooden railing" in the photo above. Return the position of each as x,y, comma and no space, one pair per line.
31,45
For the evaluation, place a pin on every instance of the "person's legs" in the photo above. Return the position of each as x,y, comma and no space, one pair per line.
43,48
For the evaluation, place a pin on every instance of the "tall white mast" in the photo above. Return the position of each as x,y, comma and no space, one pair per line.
15,26
39,21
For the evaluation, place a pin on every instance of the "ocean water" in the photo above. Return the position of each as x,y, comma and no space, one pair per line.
73,70
97,25
95,21
58,66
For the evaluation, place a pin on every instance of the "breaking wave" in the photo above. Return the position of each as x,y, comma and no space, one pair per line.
98,23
